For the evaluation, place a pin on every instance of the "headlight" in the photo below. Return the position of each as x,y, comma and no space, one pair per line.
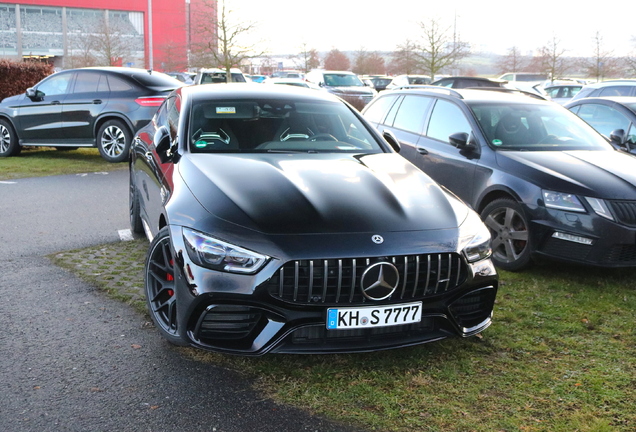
569,202
474,238
562,201
215,254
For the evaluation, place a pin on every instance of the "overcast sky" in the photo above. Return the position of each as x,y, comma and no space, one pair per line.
487,25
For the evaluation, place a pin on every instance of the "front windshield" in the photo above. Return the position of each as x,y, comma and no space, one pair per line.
535,127
342,80
249,126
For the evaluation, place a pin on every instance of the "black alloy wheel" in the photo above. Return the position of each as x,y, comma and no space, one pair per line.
160,287
510,230
8,140
113,141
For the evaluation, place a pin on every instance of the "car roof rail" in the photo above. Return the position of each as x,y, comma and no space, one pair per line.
438,89
508,90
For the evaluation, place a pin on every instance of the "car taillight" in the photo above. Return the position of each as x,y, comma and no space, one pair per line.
153,101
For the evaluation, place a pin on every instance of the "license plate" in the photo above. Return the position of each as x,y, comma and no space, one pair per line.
374,316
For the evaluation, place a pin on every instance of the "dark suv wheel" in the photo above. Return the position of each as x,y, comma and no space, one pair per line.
511,248
8,140
113,141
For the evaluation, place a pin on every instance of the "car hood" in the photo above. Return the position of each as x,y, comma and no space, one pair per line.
319,193
9,102
599,174
362,91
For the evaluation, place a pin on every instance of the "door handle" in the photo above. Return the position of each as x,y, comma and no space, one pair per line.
422,151
55,102
97,101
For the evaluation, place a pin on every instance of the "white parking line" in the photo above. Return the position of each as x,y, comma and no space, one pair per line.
125,235
7,182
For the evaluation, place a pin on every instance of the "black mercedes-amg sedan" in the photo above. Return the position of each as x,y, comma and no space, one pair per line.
280,221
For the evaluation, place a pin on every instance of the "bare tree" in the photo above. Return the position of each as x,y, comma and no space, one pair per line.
552,58
81,50
111,44
222,35
513,61
602,63
337,60
439,48
307,59
404,59
367,63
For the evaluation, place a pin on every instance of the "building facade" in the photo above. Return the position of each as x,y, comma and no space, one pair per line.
73,33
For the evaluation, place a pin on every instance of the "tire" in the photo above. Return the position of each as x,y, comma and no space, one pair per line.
9,145
511,240
161,295
136,224
113,141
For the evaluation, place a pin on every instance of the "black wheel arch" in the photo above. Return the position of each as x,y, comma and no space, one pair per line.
104,117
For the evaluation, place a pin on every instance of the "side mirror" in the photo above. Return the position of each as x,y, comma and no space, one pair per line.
618,136
33,94
462,141
392,140
161,140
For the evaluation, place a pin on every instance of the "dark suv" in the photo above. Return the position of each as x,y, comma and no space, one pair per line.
88,107
543,180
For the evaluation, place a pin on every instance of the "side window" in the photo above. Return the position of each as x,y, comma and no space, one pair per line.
86,82
447,119
117,84
161,117
616,91
173,117
603,118
412,113
56,85
631,135
378,109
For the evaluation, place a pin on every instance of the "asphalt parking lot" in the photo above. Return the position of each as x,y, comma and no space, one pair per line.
75,359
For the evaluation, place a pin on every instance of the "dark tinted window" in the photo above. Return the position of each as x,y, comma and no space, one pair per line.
157,79
377,110
87,82
277,126
117,84
411,114
539,127
447,119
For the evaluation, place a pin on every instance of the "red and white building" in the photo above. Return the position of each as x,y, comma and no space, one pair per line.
158,34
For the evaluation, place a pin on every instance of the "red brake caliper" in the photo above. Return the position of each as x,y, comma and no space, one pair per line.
170,277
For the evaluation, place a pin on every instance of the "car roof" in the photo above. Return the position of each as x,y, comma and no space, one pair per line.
484,79
625,82
626,101
481,94
242,91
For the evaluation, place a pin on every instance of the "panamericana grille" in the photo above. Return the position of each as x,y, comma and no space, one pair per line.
624,211
337,281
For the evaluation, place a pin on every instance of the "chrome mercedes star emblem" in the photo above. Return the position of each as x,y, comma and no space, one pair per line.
377,239
379,281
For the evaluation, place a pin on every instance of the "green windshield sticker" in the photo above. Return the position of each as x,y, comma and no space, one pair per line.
496,142
201,144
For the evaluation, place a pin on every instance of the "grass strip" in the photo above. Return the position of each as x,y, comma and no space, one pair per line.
47,161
